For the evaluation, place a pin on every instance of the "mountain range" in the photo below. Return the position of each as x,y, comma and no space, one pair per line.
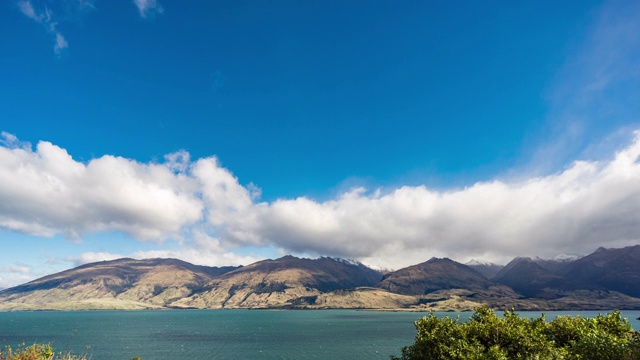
605,279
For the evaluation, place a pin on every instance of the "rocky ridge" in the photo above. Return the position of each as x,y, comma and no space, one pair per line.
606,279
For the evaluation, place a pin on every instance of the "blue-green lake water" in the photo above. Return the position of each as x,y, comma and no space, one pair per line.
227,334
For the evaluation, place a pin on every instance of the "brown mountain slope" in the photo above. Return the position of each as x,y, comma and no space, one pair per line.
558,267
610,269
530,279
435,274
123,283
597,281
280,282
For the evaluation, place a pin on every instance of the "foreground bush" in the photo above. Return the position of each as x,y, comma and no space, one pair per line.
39,352
488,337
36,352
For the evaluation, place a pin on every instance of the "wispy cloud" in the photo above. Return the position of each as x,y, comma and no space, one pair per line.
148,8
44,16
60,44
595,91
11,275
11,141
27,8
50,14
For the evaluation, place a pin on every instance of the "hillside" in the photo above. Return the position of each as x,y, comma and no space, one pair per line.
606,279
278,283
123,283
610,269
616,270
432,275
531,279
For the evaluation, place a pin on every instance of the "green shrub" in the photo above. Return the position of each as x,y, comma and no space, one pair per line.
36,352
488,337
39,352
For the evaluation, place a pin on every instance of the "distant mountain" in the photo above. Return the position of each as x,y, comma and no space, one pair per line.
604,270
435,274
557,265
282,282
610,269
606,279
529,278
488,269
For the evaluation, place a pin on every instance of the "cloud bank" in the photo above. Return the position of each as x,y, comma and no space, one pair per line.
44,191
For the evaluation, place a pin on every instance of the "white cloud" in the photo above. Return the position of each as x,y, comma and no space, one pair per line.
201,249
198,254
587,205
178,161
12,142
15,274
148,7
225,199
20,269
91,257
45,192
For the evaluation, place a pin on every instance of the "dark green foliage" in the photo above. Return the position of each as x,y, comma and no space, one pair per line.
488,337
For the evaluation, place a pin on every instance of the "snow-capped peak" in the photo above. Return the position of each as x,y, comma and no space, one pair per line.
565,257
474,262
347,261
561,258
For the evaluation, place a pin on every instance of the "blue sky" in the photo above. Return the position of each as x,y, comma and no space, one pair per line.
225,132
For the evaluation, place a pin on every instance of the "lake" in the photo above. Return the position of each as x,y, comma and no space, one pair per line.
227,334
